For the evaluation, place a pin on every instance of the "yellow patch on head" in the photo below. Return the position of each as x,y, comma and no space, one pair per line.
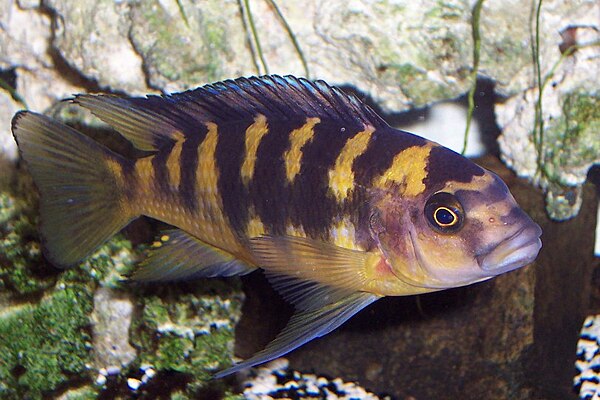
174,159
298,138
255,227
408,170
341,177
164,238
254,135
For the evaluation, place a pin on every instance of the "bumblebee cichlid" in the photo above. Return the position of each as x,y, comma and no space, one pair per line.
284,174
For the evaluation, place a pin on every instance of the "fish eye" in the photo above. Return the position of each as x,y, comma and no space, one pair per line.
444,212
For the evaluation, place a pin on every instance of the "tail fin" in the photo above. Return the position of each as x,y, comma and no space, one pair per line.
80,203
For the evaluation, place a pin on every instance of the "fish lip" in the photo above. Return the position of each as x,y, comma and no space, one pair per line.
518,250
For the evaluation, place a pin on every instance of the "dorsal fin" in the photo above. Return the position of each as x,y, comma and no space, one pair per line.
150,122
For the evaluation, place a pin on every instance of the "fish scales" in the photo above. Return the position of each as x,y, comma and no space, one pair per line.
283,174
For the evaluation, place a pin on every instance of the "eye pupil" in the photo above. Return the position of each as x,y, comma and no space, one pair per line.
445,217
444,212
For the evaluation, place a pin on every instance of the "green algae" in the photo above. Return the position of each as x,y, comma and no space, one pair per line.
188,330
45,344
45,337
574,136
571,146
416,84
22,270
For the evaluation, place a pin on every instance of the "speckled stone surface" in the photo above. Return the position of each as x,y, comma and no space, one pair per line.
276,381
587,381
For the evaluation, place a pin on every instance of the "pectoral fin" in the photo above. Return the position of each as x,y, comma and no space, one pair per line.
305,326
310,273
179,255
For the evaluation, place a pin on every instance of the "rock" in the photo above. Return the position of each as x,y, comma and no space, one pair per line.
276,380
82,393
25,49
8,108
587,381
92,37
111,320
402,54
558,154
188,46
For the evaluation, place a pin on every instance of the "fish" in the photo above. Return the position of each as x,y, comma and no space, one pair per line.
283,174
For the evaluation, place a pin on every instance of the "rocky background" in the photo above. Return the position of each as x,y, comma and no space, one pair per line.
85,333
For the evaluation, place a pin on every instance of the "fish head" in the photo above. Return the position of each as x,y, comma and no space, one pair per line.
455,233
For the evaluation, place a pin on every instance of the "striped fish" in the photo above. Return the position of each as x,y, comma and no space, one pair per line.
284,174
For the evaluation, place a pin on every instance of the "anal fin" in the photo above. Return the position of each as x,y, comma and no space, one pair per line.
305,326
179,255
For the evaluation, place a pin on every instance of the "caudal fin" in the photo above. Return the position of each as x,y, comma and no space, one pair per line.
80,201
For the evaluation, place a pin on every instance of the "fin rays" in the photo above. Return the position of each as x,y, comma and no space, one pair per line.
80,205
305,326
181,256
151,122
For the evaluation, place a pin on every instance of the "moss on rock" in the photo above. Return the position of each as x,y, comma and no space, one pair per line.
188,330
21,268
46,344
572,146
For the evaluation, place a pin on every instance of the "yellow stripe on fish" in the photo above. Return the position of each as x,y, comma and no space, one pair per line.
254,135
212,225
298,138
173,161
341,176
409,170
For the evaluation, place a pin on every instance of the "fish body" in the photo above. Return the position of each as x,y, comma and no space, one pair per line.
279,173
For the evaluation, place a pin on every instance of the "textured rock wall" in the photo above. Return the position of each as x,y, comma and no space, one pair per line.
401,53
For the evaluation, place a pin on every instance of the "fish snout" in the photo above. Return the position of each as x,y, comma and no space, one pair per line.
518,250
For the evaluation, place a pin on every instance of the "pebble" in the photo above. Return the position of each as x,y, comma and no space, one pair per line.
587,381
276,380
134,384
101,380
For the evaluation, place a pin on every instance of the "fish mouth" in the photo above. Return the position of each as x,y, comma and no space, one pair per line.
515,252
